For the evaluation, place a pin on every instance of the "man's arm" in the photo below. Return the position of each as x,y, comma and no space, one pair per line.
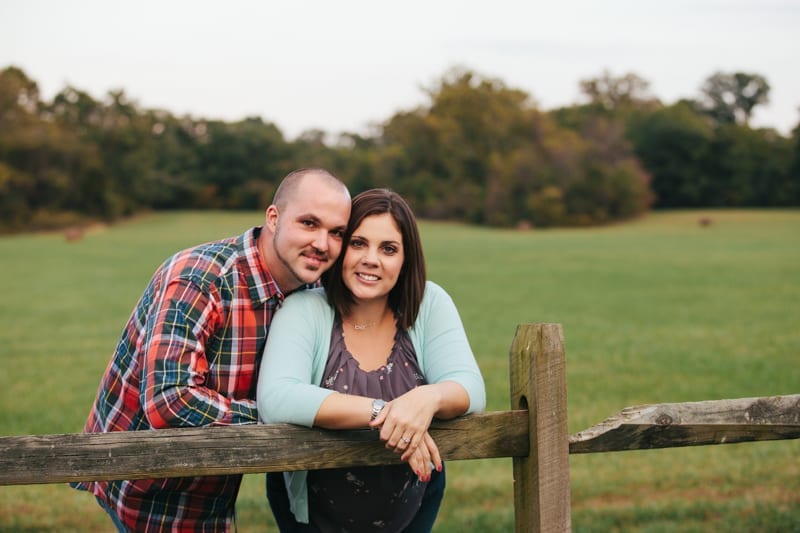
174,388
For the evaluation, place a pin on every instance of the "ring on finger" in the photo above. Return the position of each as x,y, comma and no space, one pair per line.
405,439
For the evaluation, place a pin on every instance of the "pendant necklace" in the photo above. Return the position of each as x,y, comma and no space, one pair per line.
365,325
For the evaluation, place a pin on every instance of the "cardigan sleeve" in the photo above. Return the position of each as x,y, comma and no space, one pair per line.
442,346
294,356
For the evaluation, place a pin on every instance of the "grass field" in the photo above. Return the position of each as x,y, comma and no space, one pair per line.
657,310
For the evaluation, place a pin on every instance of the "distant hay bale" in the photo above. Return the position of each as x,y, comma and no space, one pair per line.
524,225
704,221
73,234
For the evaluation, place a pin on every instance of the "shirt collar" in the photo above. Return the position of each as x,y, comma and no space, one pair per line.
260,283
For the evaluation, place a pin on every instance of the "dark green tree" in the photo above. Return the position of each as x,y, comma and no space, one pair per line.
673,144
617,93
239,163
20,133
731,97
793,176
749,168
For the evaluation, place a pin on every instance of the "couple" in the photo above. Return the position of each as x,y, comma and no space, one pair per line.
378,347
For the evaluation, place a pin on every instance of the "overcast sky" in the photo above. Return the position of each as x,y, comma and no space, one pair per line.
341,65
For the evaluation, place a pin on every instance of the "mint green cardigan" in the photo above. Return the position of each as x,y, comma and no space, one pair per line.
297,350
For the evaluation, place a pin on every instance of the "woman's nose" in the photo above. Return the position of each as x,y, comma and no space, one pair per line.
370,256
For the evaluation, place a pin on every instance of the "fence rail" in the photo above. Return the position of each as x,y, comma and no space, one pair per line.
672,425
31,459
533,433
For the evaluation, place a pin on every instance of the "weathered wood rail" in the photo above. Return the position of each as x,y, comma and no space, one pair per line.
533,433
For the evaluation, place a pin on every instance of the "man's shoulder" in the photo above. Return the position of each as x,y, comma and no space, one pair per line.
204,264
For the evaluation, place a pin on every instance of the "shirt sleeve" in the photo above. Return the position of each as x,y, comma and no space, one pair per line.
174,390
446,353
299,336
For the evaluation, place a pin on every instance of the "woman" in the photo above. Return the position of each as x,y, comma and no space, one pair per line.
380,347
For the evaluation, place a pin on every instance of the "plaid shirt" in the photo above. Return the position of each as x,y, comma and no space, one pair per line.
189,356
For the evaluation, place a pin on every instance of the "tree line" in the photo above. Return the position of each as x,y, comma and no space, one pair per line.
477,151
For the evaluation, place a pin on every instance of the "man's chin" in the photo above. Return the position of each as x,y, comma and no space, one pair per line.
312,275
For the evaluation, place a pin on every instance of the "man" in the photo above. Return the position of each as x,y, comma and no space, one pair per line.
190,352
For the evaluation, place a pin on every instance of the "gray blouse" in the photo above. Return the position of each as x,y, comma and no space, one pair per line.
379,498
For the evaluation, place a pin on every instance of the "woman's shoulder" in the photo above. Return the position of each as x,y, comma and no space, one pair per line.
433,287
433,293
313,294
436,303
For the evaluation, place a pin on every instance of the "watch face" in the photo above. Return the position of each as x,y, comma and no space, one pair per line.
377,407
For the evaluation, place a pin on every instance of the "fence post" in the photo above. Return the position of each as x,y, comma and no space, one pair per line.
539,384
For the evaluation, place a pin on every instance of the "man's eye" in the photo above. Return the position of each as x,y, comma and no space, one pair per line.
337,234
308,223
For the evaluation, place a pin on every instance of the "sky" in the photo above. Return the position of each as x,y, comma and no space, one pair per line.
349,65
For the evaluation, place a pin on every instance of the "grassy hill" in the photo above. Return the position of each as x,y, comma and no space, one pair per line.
662,309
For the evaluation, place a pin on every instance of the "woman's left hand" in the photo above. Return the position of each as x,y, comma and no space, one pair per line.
425,458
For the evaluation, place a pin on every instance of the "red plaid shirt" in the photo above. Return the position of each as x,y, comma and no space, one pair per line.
189,356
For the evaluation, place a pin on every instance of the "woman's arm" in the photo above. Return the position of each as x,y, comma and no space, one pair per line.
444,350
455,384
291,370
344,411
291,366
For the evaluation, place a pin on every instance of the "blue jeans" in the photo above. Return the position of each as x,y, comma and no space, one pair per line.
114,518
422,522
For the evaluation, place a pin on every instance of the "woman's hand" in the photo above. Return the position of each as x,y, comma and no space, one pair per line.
405,420
424,458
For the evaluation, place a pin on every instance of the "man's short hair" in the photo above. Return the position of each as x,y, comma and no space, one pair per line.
289,185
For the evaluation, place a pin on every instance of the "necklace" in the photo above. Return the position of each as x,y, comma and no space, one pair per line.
366,325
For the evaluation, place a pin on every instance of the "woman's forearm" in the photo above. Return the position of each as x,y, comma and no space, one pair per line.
344,411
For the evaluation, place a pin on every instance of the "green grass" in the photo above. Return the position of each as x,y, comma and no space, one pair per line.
657,310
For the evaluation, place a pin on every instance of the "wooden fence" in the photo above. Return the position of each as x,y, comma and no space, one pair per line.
533,432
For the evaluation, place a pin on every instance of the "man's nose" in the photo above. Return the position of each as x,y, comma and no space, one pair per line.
321,241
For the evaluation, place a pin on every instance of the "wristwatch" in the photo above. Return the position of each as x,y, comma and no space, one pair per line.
377,407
